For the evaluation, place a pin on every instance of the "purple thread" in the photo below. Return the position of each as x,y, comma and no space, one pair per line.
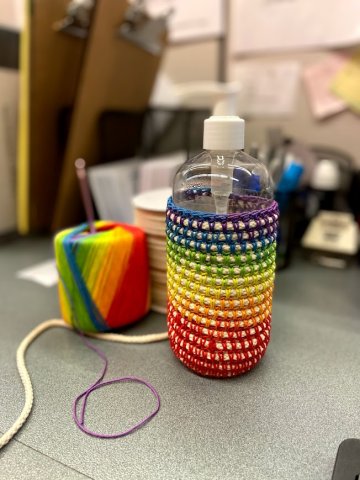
99,384
259,207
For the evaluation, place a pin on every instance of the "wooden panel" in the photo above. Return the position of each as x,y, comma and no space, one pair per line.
56,60
116,75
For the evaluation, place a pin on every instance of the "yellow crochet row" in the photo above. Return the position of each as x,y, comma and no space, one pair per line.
204,294
211,303
186,275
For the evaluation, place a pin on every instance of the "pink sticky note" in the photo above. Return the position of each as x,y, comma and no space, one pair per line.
318,79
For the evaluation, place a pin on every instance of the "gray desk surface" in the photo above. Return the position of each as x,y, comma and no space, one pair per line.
283,420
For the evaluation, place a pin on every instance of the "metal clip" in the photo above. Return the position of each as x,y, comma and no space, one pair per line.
142,30
77,18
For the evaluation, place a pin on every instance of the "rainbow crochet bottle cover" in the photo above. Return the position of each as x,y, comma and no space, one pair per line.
221,240
104,279
220,283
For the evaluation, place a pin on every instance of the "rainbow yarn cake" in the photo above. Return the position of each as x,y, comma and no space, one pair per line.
220,274
104,278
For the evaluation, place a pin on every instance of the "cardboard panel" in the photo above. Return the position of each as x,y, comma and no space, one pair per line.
116,74
55,65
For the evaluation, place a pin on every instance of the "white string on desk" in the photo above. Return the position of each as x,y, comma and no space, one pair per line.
25,377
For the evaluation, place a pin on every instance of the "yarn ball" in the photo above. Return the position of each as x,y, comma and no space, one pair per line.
103,277
220,280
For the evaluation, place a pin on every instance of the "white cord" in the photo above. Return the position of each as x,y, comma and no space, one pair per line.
25,377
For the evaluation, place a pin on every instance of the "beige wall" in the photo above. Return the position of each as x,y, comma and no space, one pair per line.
200,62
341,131
192,62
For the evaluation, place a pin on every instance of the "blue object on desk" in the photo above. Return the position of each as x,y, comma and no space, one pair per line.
289,182
290,179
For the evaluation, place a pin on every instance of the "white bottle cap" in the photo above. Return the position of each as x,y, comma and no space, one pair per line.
224,133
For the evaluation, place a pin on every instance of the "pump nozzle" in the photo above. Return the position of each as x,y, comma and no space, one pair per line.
226,101
219,97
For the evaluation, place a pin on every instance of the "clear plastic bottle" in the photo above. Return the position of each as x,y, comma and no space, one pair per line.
214,180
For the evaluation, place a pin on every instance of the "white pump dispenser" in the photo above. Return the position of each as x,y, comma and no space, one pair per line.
207,181
223,131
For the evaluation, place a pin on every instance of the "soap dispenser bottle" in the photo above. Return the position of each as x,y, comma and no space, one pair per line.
221,225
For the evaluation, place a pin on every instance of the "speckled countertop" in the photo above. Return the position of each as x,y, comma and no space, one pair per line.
284,420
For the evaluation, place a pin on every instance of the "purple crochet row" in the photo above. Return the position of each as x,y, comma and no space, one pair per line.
264,213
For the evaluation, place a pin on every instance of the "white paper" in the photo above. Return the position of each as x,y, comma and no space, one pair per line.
159,172
113,186
267,90
263,25
44,273
191,20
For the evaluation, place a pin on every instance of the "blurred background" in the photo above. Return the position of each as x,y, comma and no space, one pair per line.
127,85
